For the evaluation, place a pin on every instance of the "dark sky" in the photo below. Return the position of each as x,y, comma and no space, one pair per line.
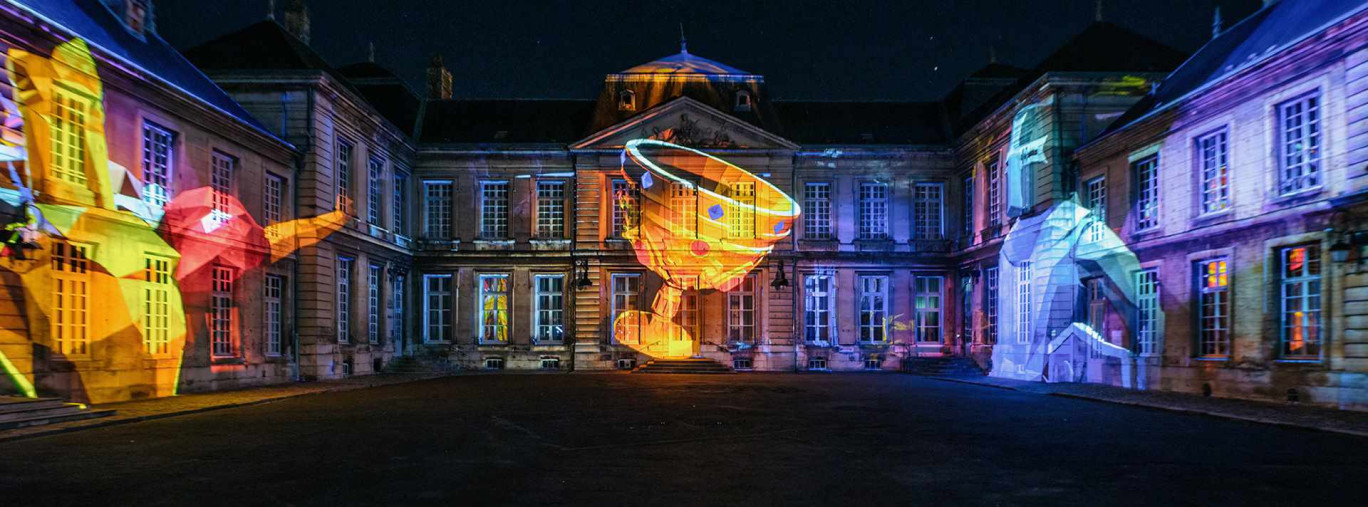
822,49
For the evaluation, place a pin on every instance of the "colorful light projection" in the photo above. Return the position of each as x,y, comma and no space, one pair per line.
108,280
700,223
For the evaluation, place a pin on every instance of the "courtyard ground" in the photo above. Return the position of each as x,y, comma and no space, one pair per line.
686,440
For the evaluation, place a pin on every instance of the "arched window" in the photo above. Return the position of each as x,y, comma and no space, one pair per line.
743,101
626,100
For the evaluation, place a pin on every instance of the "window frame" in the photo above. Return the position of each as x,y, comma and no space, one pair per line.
1222,297
928,200
343,153
1095,190
540,313
817,210
346,266
813,331
743,311
441,225
551,208
482,312
1148,326
868,332
374,275
922,291
873,217
70,267
1217,199
153,134
273,314
630,300
222,321
1024,289
1315,161
495,201
156,305
442,320
1147,194
69,133
1311,290
375,169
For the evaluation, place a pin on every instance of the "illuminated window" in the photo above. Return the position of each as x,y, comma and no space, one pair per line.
1299,136
68,136
1300,298
549,308
1096,193
1096,310
994,204
626,100
741,311
1147,311
221,168
742,214
687,317
493,209
437,308
397,304
968,210
990,305
493,310
221,313
684,208
1023,303
399,204
626,201
1146,172
373,305
817,210
743,101
272,197
275,293
927,202
1213,308
966,307
928,296
551,209
158,159
873,210
873,307
626,295
819,308
373,169
71,298
437,209
1214,169
345,266
345,197
156,311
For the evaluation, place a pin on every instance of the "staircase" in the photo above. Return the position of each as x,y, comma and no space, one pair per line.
411,365
18,412
944,366
691,365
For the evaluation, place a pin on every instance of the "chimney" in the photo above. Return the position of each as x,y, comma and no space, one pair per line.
438,79
1216,23
297,20
136,15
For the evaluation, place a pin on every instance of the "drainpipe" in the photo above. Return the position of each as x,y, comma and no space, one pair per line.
300,167
793,240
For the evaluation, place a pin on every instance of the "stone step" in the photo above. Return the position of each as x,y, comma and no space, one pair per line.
683,366
952,366
40,420
24,412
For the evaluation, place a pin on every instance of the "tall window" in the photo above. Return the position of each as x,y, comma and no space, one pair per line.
397,304
221,182
493,310
494,209
687,316
345,266
928,296
1214,169
817,210
1146,172
1023,320
156,314
684,208
873,308
221,313
1213,308
157,164
1097,310
437,209
373,169
436,308
272,197
626,201
819,308
373,304
68,136
966,307
626,295
1299,134
990,305
741,311
275,293
1096,192
399,204
1300,298
742,214
551,209
1147,311
927,202
344,177
968,209
549,312
71,298
873,210
994,204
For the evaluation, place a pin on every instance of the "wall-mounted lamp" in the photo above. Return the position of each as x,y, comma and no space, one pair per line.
1350,246
582,267
781,280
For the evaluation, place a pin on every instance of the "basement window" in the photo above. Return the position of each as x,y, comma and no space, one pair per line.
627,100
626,364
550,363
742,363
873,363
743,101
494,363
817,363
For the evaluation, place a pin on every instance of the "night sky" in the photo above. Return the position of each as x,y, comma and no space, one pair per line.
825,50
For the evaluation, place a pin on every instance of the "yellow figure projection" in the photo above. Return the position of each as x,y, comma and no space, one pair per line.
700,223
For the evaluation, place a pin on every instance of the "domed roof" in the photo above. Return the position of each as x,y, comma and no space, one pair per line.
685,63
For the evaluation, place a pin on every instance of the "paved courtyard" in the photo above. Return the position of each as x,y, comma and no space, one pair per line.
686,440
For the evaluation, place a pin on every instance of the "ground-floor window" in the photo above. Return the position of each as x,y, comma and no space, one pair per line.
345,266
1097,310
493,310
626,294
274,294
549,309
967,307
397,301
1213,308
373,305
221,312
928,296
1023,321
819,303
741,311
1147,308
990,305
71,298
687,316
156,314
1300,301
873,308
437,308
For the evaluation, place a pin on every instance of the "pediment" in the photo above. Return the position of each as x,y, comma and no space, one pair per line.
686,122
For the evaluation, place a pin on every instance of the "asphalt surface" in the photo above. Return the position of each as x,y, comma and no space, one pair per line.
751,439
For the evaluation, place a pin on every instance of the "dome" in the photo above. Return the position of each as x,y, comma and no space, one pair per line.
685,63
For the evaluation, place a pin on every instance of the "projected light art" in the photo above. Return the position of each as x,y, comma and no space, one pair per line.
700,223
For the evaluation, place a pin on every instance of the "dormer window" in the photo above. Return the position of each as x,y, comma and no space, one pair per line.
626,100
743,101
135,15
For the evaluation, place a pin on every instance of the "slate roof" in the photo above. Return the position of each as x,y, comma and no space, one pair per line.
95,24
264,45
386,92
504,121
863,123
686,63
1257,37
